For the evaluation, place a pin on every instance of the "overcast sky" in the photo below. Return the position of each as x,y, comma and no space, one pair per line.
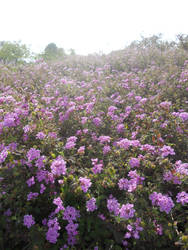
90,25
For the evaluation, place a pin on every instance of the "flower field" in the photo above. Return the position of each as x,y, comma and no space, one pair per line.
94,152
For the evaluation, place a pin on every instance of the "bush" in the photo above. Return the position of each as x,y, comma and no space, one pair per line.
93,157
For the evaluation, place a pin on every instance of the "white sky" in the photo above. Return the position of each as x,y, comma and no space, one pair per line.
90,25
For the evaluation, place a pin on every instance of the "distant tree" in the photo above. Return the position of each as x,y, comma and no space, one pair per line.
183,41
152,42
13,52
52,52
72,52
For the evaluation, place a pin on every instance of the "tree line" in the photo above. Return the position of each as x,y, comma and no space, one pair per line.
16,52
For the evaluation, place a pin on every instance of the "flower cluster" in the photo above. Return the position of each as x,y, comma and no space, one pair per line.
182,197
163,201
85,184
29,220
58,166
97,167
71,215
91,205
53,228
130,185
71,142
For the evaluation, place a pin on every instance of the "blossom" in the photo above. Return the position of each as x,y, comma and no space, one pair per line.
58,166
127,211
40,135
42,188
52,235
163,201
113,206
97,121
81,150
71,214
165,105
31,181
184,116
103,138
85,183
27,129
71,142
58,202
33,154
106,149
134,162
3,155
182,197
71,228
28,220
31,196
124,143
91,205
167,150
120,128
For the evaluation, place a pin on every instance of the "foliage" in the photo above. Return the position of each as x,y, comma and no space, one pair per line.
13,52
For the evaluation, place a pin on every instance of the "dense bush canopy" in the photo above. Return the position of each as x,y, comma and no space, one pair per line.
93,151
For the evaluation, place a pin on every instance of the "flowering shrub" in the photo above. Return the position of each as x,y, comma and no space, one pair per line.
93,154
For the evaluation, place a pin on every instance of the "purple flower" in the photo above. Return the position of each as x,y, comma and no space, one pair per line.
28,220
127,211
97,121
33,154
167,150
134,162
31,181
184,116
85,184
71,228
106,149
3,155
165,105
163,201
81,150
120,128
84,120
182,197
113,206
71,214
103,138
58,202
123,184
27,129
91,205
42,188
97,168
52,235
40,135
70,145
124,143
71,142
58,166
31,196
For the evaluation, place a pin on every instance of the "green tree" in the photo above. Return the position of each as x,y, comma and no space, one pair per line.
52,52
13,52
